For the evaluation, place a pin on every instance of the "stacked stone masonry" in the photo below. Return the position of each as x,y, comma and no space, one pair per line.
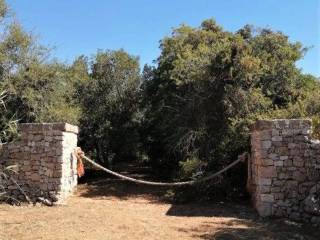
45,162
284,170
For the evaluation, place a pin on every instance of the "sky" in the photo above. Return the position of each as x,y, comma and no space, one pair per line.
76,27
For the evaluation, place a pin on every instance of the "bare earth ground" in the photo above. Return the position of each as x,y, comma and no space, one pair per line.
113,209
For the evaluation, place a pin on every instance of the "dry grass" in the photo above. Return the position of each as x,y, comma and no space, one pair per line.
116,210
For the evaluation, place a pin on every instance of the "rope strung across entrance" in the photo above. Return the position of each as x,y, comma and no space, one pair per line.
81,155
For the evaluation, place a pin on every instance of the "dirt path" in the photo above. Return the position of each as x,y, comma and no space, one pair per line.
117,210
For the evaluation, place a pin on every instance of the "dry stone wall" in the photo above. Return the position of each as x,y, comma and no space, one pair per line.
46,165
284,170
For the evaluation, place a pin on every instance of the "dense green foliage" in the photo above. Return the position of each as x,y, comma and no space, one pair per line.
109,103
186,116
210,85
37,89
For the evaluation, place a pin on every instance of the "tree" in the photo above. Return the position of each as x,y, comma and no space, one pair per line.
37,88
208,87
109,102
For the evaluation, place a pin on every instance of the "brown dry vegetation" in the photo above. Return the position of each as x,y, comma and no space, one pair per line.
113,209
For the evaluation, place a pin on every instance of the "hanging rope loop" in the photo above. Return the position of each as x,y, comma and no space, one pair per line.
80,155
80,167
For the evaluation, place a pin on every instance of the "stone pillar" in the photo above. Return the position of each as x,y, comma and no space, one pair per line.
284,169
46,165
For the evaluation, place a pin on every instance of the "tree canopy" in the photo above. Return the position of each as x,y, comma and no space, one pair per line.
109,103
210,85
36,87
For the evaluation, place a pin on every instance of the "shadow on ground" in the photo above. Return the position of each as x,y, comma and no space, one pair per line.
240,221
250,229
99,184
226,220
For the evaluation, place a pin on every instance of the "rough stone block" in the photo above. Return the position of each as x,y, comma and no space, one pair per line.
284,169
266,162
266,144
43,157
264,181
267,172
276,138
278,163
269,198
262,125
264,209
